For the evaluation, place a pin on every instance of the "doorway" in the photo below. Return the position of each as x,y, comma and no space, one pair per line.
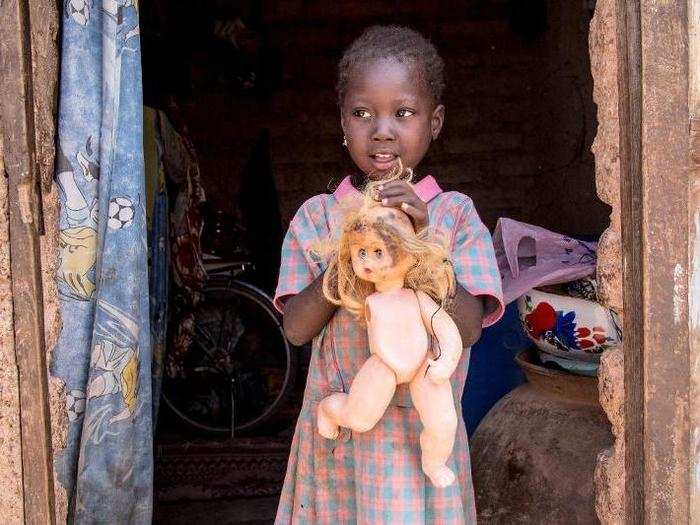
252,86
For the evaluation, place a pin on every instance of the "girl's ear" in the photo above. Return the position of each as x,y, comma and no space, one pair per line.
437,120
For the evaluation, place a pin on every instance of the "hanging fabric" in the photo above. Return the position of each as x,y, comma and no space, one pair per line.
158,240
104,351
188,273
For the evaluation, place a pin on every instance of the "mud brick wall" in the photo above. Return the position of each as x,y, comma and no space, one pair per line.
11,503
520,113
610,469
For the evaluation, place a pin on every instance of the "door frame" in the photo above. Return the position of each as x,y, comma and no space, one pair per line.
659,192
653,80
27,95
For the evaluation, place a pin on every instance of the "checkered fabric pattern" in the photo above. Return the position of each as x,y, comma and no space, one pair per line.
375,477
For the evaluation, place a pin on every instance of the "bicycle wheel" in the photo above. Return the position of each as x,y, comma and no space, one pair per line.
240,367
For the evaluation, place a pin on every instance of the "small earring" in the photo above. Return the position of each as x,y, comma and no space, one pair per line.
345,141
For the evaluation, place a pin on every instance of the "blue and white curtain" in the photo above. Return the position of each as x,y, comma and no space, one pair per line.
104,352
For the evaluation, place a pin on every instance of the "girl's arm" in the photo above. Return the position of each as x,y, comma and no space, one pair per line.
306,313
467,312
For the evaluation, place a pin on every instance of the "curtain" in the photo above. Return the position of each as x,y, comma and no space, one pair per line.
157,211
104,351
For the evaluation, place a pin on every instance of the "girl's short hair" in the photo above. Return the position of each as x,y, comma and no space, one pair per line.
397,42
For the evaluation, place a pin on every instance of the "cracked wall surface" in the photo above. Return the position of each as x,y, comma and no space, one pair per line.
610,473
11,504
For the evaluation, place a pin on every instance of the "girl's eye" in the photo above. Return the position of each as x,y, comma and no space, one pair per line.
362,253
378,253
405,112
361,113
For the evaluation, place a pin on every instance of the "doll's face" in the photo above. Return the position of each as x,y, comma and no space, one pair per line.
377,258
371,260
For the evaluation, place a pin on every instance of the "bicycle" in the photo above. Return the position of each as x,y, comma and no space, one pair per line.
240,368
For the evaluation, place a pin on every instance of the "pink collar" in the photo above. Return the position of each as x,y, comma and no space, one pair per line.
427,189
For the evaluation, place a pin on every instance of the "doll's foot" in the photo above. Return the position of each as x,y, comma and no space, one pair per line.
326,427
441,476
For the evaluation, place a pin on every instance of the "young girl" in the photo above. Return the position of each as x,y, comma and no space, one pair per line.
389,87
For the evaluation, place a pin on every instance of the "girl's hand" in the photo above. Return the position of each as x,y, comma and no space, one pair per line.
400,194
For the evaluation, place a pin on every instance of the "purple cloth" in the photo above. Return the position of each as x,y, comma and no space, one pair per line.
529,256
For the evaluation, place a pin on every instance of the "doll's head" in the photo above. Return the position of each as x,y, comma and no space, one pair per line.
390,84
374,243
378,245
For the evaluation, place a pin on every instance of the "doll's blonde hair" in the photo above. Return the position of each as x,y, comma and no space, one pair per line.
431,271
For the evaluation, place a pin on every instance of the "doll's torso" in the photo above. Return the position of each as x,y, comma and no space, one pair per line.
396,332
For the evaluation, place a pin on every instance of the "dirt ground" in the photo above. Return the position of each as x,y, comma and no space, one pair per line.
248,511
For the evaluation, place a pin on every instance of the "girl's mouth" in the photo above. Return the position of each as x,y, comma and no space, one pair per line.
383,161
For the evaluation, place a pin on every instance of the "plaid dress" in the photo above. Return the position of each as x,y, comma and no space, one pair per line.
376,477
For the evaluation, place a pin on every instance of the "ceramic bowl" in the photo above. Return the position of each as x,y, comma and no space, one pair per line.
568,327
575,366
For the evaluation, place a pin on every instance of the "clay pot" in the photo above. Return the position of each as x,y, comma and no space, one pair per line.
534,454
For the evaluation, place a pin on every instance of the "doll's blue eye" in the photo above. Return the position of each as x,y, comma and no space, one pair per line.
362,253
378,253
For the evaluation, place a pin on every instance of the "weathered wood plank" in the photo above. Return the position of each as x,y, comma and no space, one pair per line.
694,253
694,58
664,228
654,188
694,308
44,26
630,112
17,116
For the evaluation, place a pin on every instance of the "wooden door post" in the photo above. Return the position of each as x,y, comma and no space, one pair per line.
694,253
26,225
630,112
654,157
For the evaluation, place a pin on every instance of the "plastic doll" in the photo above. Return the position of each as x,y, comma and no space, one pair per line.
396,281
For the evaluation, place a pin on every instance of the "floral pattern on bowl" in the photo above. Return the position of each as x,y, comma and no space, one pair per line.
567,326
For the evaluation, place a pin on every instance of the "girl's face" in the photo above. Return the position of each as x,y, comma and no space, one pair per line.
388,112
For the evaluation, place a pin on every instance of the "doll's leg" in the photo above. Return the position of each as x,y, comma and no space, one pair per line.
370,394
436,408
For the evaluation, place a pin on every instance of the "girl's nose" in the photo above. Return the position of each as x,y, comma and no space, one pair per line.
383,130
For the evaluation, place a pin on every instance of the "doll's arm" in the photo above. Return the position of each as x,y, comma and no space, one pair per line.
440,325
